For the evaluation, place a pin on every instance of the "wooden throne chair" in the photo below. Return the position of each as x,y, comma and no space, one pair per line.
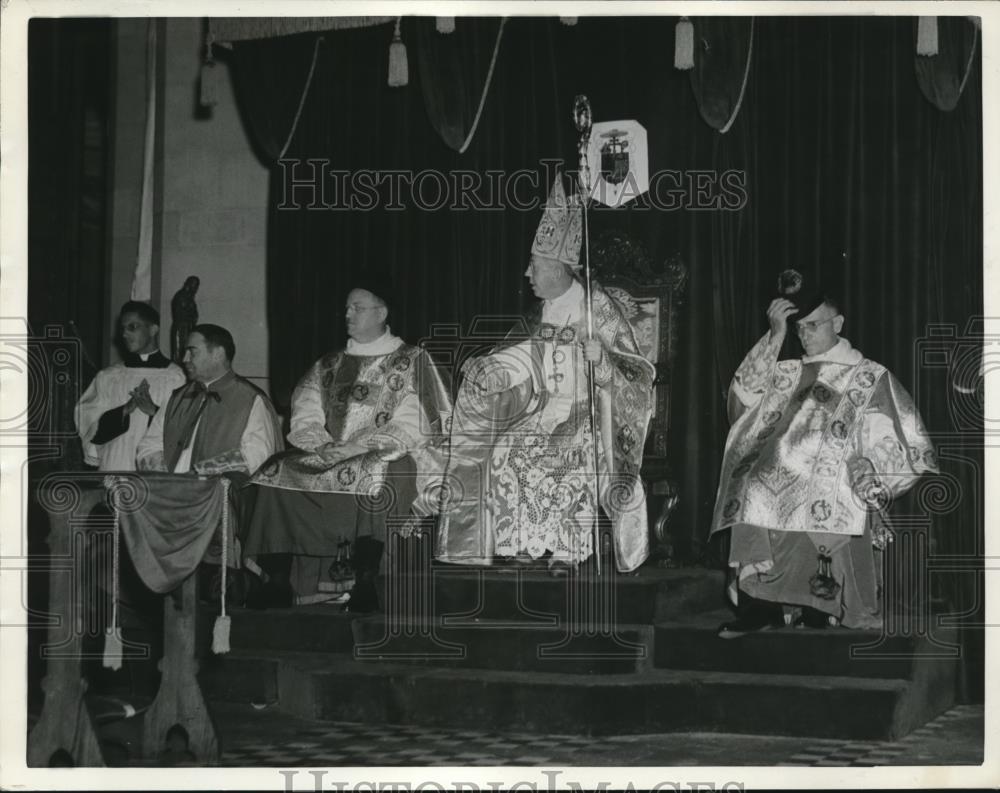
653,293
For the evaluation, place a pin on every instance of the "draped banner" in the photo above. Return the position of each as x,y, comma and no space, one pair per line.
942,77
169,530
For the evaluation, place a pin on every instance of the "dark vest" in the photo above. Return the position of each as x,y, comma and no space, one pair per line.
222,422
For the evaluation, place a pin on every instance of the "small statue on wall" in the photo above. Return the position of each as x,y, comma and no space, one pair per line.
184,313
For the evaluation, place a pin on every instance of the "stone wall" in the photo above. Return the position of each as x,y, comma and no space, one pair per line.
210,206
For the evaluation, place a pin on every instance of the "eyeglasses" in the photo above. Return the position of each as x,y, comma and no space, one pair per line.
133,326
356,307
816,323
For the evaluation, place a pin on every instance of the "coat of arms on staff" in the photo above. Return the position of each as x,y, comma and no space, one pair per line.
617,154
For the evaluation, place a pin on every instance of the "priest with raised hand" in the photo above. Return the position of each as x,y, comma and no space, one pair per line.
367,426
819,447
521,482
116,409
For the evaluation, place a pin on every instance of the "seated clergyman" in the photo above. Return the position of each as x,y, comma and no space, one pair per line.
521,480
818,448
219,423
116,409
364,418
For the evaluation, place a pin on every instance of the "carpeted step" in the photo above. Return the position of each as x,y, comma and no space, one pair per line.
318,628
530,595
337,688
488,644
657,700
693,643
240,676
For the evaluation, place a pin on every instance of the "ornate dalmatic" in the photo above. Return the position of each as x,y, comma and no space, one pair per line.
392,404
520,477
818,444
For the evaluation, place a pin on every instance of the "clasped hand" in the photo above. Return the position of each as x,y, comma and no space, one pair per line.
334,453
141,400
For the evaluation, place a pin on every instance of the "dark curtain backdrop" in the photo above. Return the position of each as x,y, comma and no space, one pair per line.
852,177
69,111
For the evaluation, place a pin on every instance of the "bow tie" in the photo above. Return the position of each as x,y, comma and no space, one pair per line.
201,390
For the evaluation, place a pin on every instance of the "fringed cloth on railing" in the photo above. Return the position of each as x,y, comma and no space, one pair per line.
168,522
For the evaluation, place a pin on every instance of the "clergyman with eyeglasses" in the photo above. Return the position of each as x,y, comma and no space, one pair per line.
115,411
367,423
818,448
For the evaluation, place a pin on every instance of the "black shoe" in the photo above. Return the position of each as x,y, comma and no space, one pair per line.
742,627
812,618
755,617
364,594
363,600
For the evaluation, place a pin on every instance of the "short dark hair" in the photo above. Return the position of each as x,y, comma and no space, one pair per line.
217,336
832,302
144,311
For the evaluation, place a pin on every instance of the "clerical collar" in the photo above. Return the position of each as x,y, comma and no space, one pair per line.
219,379
565,309
569,299
383,345
147,360
841,352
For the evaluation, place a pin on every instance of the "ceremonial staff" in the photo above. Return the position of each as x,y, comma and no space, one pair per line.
583,121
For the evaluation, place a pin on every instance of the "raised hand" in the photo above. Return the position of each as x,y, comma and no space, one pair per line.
778,313
142,400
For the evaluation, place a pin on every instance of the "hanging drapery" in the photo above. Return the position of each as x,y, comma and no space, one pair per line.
723,48
272,100
142,279
231,29
456,72
942,77
845,172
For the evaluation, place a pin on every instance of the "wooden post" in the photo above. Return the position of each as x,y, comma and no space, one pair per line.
179,700
65,723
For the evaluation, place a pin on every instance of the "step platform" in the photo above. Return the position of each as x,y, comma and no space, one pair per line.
519,650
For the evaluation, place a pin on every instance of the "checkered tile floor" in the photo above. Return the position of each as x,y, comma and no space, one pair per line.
902,752
353,744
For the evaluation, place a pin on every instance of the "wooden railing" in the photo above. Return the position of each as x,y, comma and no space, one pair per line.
65,726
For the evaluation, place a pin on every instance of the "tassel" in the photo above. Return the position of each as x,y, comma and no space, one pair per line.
220,635
568,21
684,44
208,83
927,36
445,24
220,631
113,648
398,67
208,95
113,634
